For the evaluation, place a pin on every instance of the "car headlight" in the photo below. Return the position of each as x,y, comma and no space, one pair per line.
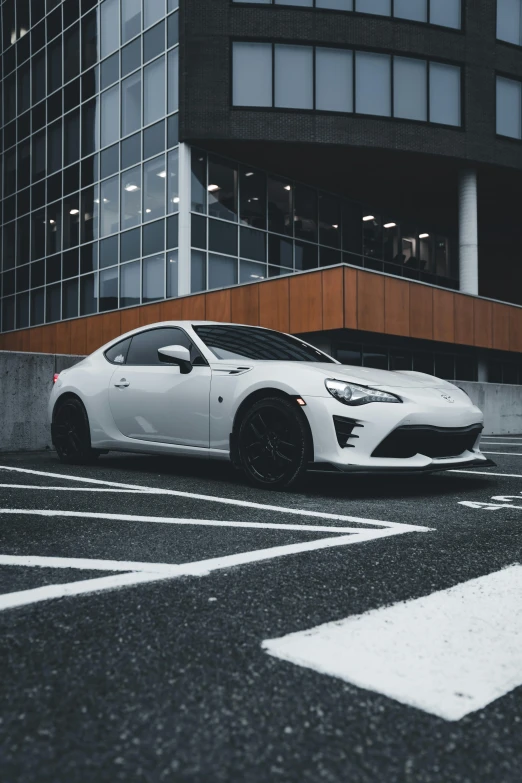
353,394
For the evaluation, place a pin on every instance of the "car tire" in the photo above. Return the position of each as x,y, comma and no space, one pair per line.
71,433
274,443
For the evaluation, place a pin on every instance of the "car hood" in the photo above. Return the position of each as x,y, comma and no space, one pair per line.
367,376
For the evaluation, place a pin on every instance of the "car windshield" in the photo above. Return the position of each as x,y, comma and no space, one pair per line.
245,342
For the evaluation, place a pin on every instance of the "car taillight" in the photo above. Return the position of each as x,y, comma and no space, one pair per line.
56,376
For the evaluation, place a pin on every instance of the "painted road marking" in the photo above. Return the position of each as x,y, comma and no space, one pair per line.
199,568
72,489
211,498
449,653
506,453
205,522
500,443
487,473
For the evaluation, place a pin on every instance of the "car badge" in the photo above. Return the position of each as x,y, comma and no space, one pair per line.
447,398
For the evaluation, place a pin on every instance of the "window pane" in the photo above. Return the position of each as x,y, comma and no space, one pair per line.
172,181
198,274
172,273
222,237
110,115
154,176
280,252
153,237
173,68
109,206
411,9
154,42
381,7
130,19
249,271
222,190
153,278
131,57
130,245
252,190
280,214
445,13
333,79
253,244
340,5
509,107
445,94
373,83
222,271
70,299
410,99
154,10
154,90
305,213
37,307
88,294
131,103
509,21
109,289
252,74
329,221
131,197
294,82
110,26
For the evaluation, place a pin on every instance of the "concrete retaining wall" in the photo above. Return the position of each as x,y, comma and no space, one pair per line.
501,405
26,380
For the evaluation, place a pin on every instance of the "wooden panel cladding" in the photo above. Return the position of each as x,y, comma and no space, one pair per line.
245,305
306,303
218,307
443,316
319,300
500,324
463,315
515,330
274,305
350,298
482,323
421,312
397,306
370,302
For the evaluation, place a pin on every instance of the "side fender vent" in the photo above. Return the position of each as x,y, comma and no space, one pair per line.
344,431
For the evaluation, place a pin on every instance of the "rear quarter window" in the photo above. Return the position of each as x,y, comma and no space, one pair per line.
118,353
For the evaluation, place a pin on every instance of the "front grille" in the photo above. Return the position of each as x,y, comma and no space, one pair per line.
430,441
344,430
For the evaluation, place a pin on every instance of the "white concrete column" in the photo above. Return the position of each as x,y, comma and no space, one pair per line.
468,232
184,220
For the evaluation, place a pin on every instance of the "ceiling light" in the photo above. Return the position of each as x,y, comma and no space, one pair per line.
131,188
105,200
162,174
257,277
288,187
96,200
148,210
255,198
423,236
175,200
368,217
74,212
213,187
334,225
52,222
249,174
390,225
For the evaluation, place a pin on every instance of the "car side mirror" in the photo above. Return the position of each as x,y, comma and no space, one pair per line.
178,354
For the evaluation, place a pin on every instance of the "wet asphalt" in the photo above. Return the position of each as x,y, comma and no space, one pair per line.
167,681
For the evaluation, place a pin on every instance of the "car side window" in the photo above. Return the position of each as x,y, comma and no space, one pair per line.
144,346
118,353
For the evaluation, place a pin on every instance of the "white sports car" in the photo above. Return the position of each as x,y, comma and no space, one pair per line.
269,402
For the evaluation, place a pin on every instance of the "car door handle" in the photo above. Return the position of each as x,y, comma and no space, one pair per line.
122,384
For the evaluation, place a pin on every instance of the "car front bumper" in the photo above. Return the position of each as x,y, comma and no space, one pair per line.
374,422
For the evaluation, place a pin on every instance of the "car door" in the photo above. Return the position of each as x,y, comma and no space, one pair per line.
154,401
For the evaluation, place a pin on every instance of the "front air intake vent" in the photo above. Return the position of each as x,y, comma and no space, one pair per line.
344,430
432,442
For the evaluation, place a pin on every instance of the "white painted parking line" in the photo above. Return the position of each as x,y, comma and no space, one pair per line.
72,489
176,521
487,473
501,443
211,498
199,568
507,453
450,653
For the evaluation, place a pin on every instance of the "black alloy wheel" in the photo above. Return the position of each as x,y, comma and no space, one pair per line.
274,443
71,434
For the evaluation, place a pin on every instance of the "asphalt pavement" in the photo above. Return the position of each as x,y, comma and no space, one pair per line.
139,598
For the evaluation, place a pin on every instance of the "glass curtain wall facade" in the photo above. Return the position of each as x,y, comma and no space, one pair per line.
89,166
247,225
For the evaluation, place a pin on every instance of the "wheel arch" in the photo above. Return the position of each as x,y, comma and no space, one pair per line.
259,394
67,395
